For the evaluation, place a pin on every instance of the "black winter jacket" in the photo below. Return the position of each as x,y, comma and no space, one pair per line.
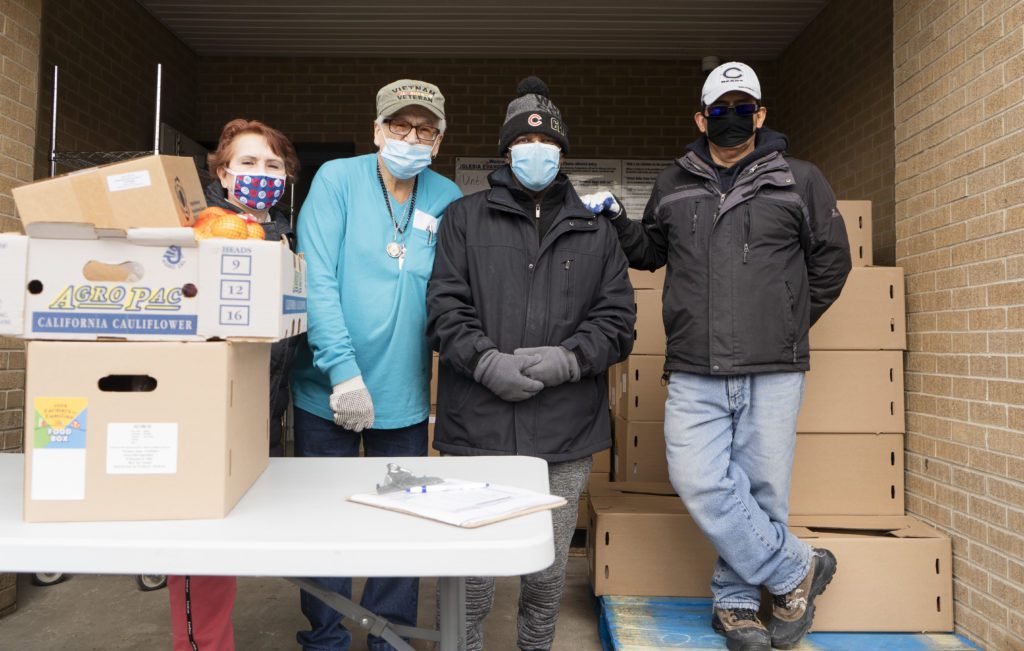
749,270
495,286
282,352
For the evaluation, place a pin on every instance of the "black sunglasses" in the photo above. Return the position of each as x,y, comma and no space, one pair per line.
742,110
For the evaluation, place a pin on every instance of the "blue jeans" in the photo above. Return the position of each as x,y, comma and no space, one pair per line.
730,443
396,599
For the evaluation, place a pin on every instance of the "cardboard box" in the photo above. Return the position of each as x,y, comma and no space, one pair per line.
598,481
602,462
870,314
643,279
433,380
152,191
857,216
641,395
171,288
894,574
853,391
143,431
643,545
649,331
847,474
639,451
13,257
833,474
431,423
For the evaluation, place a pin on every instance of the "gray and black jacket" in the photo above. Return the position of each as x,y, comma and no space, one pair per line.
282,352
495,284
751,268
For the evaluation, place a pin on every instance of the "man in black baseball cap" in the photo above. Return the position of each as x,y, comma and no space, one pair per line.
756,252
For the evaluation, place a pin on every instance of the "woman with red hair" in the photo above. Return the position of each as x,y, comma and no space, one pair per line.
253,164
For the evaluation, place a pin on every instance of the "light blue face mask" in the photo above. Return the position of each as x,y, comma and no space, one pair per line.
403,160
535,164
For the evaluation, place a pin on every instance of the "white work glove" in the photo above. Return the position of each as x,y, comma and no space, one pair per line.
604,203
352,405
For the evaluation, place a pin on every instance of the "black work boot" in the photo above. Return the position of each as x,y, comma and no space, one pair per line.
792,613
742,630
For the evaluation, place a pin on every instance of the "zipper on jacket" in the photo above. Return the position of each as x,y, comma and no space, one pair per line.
746,233
718,210
711,310
537,208
696,209
567,287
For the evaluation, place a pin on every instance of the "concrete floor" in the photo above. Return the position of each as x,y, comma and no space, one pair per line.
93,612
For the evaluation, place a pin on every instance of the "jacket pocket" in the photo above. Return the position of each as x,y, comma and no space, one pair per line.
568,288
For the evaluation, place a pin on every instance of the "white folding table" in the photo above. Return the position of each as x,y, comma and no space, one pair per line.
295,522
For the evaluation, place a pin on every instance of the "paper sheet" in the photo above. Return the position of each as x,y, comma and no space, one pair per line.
472,505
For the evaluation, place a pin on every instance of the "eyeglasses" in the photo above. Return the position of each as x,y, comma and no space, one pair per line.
402,128
742,110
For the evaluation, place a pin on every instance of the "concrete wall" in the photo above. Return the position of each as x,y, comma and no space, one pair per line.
959,80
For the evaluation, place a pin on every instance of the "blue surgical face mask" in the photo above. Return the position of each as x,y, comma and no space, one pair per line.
404,160
535,164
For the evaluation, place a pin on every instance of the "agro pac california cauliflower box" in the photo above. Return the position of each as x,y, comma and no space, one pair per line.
158,285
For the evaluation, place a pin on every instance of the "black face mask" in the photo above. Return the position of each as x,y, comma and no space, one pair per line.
731,130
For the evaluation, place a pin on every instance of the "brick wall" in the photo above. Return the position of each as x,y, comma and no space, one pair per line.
836,104
107,51
19,51
959,93
19,76
614,108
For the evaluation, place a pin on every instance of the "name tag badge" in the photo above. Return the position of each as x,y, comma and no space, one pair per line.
424,222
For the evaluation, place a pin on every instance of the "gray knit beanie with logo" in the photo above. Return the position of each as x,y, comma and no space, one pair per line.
532,112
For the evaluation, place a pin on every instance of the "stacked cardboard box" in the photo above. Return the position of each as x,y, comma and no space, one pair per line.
148,356
847,487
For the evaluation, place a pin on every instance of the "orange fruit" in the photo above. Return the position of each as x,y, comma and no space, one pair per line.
230,226
256,231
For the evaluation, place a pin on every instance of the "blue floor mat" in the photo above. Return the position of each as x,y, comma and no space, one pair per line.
649,623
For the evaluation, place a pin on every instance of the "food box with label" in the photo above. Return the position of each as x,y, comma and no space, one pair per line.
161,285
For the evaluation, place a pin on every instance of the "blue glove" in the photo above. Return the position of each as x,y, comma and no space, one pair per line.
604,203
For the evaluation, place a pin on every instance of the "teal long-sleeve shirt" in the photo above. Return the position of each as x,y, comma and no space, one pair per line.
367,311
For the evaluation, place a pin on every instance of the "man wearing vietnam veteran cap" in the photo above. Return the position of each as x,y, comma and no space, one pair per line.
529,304
368,230
756,253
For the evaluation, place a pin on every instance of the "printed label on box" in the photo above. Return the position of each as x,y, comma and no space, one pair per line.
236,265
235,290
129,181
58,448
142,448
234,315
294,304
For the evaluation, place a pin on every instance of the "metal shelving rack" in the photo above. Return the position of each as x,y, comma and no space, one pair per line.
76,160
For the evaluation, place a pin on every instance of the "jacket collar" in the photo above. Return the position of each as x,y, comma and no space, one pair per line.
505,194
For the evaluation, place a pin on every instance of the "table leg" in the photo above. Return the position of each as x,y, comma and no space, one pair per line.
452,611
376,625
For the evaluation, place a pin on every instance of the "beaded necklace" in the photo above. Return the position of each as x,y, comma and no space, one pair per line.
396,247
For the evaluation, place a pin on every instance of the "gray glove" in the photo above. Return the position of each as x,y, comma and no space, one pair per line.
352,405
503,374
557,365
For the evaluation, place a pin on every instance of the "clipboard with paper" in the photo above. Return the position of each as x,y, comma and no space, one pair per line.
453,501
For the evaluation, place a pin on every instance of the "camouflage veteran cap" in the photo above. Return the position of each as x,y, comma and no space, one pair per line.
409,92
